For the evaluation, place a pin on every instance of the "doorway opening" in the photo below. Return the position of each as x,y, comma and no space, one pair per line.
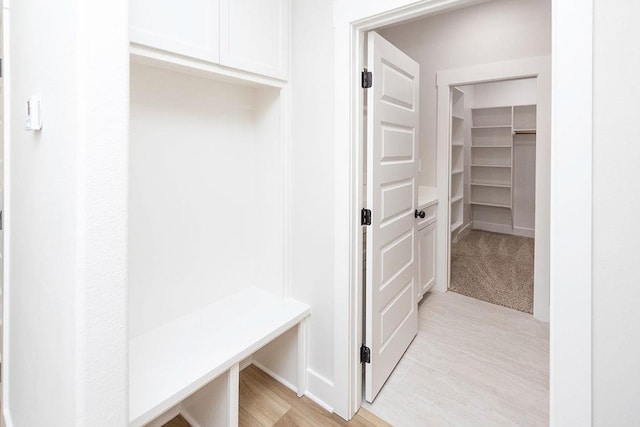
452,332
492,192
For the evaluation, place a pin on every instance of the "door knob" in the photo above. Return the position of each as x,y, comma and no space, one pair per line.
420,214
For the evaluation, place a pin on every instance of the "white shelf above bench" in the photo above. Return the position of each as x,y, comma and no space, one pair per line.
169,363
495,205
183,64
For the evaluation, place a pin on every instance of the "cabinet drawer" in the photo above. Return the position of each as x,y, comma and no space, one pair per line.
430,215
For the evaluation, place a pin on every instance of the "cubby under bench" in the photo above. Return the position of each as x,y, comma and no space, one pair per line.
191,365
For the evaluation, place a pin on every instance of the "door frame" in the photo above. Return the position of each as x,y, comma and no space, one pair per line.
570,203
534,67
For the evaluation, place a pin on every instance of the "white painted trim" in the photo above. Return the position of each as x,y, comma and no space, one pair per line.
420,9
504,229
189,419
275,376
246,363
167,416
464,230
571,213
6,291
324,389
6,419
233,393
524,232
303,357
286,185
173,62
319,402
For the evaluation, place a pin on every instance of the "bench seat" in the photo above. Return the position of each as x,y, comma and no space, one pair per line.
169,363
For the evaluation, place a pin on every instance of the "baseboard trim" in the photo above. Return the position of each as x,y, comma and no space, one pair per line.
190,419
504,229
276,376
7,421
246,363
166,416
320,389
319,402
466,229
492,227
524,232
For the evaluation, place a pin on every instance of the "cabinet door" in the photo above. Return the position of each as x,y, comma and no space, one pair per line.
190,27
427,258
254,36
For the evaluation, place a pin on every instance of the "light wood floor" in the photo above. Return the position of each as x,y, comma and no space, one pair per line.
264,402
471,364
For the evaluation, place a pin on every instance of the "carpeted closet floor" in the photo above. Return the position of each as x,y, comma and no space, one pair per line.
493,267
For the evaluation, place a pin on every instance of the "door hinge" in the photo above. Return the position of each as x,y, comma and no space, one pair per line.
367,79
365,354
365,217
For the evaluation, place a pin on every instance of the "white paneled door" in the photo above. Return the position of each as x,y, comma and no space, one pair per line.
392,168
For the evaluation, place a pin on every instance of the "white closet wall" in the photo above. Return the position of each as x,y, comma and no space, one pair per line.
205,216
508,92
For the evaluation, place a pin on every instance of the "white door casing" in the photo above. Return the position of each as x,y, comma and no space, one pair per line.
392,168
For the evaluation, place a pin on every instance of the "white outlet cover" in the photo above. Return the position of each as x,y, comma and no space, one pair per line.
34,114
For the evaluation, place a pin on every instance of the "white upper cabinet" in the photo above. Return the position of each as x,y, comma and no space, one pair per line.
247,35
254,36
189,28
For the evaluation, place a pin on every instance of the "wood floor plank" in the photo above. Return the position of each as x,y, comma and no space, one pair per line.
370,418
247,420
298,417
264,402
177,422
261,402
259,376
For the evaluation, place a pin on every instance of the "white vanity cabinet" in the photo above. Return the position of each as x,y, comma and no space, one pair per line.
246,35
426,258
426,239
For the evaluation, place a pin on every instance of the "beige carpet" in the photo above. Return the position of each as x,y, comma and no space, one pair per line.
493,267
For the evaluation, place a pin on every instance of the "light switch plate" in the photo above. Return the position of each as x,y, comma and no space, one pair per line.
34,114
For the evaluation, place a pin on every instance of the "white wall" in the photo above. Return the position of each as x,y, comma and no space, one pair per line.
204,194
490,32
312,198
65,342
616,203
507,92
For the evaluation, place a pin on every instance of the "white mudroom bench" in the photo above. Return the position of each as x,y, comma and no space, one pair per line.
191,365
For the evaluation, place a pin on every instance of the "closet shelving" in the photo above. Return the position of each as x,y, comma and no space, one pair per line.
524,119
493,133
457,159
